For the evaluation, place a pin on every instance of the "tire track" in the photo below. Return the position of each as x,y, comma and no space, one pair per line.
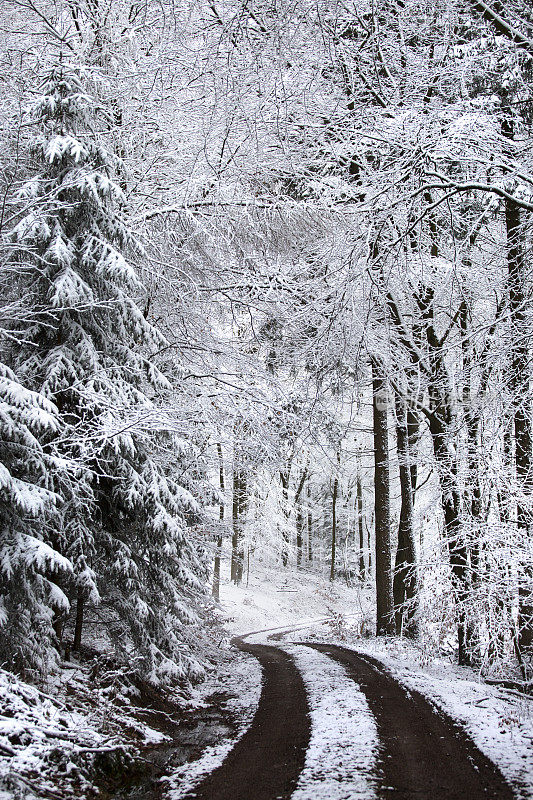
424,755
267,760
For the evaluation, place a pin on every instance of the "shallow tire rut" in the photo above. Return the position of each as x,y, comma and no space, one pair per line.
267,760
423,754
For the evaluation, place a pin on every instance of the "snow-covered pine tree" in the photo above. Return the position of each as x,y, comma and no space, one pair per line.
30,598
126,521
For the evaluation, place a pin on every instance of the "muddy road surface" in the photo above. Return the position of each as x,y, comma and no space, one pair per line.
423,754
267,760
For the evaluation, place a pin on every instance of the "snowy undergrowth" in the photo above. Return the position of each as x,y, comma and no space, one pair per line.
36,730
342,752
53,743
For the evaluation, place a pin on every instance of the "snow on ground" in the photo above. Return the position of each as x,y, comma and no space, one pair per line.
276,597
48,741
342,752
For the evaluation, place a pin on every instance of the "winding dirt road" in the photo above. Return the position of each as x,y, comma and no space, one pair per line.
423,754
267,760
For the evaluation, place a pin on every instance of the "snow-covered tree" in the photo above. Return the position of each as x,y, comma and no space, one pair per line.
30,596
126,517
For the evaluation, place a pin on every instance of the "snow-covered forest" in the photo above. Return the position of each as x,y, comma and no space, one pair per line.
266,302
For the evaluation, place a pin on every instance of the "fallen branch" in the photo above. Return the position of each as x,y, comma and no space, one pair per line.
40,790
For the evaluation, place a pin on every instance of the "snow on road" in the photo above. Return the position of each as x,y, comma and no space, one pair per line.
342,752
341,756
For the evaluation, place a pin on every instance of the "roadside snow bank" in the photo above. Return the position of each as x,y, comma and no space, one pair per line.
83,730
40,736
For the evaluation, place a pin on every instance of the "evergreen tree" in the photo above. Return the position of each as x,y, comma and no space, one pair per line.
125,519
30,596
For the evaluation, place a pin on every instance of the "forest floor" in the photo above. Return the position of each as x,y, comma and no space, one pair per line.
90,731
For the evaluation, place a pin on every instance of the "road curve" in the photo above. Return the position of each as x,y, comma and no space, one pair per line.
424,755
267,760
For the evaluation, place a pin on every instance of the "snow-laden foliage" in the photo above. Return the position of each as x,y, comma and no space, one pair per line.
320,187
30,566
125,523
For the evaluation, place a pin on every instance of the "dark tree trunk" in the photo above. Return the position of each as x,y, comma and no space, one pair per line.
58,625
78,627
457,549
299,534
299,517
360,528
309,524
333,527
240,503
383,561
405,584
285,476
413,432
218,551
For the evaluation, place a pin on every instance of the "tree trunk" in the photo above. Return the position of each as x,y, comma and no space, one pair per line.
299,516
383,561
309,524
405,584
360,528
240,501
334,527
58,625
285,476
218,551
457,550
78,627
413,432
299,533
